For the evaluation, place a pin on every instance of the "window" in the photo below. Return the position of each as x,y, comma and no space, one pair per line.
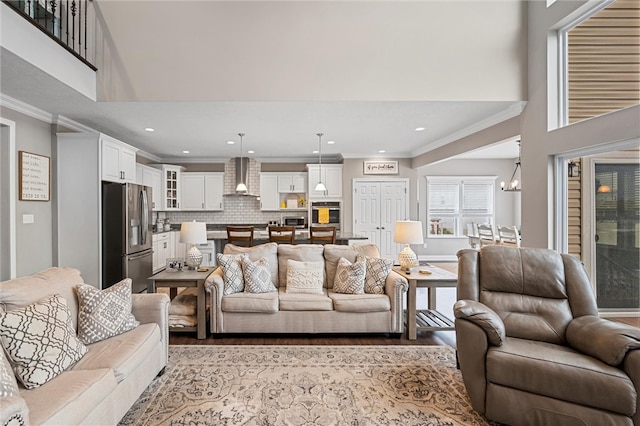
455,202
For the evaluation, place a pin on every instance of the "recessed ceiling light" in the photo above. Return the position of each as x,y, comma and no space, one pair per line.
185,152
419,129
381,151
315,151
330,142
251,151
230,142
149,129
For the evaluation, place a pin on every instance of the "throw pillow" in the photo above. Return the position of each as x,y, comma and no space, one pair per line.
350,277
377,271
257,275
40,340
304,277
8,384
231,273
104,313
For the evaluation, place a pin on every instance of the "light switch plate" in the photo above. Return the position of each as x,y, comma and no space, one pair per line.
27,218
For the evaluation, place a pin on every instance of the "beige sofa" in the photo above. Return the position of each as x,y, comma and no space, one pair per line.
282,312
101,387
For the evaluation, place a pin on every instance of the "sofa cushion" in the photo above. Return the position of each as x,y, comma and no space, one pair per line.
360,302
304,277
377,271
350,277
257,276
8,384
122,353
40,340
77,393
231,272
533,366
299,252
251,302
104,313
305,302
23,291
268,250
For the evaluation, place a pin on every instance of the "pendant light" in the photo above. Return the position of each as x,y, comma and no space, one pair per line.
513,182
320,186
242,187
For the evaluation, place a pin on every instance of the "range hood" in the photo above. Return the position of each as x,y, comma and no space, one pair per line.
241,175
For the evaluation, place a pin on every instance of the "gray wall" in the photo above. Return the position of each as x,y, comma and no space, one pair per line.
33,241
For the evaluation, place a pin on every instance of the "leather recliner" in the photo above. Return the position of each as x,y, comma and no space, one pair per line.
531,347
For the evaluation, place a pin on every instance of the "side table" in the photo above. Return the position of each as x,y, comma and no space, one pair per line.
429,319
186,278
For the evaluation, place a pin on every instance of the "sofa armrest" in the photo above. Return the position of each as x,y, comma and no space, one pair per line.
395,286
603,339
214,285
482,316
14,411
153,308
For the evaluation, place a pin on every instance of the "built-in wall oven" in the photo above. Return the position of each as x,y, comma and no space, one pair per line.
326,213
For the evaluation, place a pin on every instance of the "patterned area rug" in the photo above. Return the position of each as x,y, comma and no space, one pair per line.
307,385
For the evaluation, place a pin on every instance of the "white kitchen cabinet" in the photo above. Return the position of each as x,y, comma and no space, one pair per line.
331,175
118,160
202,191
149,176
170,186
269,195
161,250
292,182
180,249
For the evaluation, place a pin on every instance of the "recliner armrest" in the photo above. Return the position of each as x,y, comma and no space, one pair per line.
606,340
484,317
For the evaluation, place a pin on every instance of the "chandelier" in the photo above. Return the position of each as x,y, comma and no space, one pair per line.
513,182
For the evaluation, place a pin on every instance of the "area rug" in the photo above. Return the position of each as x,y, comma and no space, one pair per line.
307,385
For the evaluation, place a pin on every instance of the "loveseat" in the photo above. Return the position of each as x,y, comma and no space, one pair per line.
286,309
110,375
531,346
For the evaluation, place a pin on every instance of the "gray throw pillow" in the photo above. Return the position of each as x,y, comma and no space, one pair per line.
377,271
231,273
257,275
350,277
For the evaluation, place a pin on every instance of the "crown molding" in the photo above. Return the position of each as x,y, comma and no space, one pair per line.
26,109
61,120
510,112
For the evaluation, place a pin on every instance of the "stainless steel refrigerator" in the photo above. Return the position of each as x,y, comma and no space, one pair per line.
126,234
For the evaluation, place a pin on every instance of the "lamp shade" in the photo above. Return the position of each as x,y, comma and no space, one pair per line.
408,232
193,232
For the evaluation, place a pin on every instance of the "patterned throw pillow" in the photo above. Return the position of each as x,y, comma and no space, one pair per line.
257,275
104,313
350,276
305,277
40,340
231,272
377,271
8,384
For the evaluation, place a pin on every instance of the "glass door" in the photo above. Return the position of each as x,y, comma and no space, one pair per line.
617,235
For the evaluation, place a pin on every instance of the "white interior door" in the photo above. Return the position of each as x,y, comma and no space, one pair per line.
377,205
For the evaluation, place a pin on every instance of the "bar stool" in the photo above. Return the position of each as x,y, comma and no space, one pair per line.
240,235
322,234
282,234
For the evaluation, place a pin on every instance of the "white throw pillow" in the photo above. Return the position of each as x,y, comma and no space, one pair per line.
377,271
104,313
40,340
350,276
304,277
257,275
231,273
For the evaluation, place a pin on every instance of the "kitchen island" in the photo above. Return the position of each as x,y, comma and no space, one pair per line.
302,237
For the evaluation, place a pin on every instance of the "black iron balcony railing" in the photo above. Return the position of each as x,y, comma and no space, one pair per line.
65,21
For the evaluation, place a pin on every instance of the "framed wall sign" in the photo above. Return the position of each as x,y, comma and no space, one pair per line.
34,172
381,168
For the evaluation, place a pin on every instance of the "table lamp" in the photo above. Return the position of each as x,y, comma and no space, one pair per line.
408,232
193,233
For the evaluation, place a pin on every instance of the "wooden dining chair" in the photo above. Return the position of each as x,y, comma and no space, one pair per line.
282,234
240,235
509,235
322,234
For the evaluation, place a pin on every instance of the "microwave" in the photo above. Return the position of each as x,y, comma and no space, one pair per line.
329,209
298,222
